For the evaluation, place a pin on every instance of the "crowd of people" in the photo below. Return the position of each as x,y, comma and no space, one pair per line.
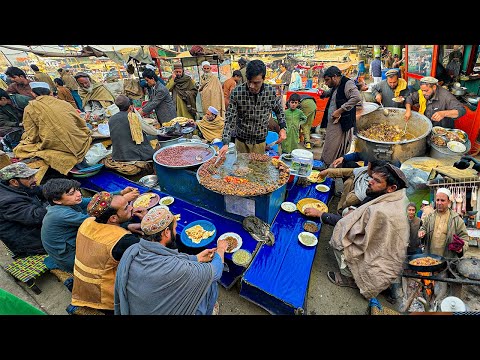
126,260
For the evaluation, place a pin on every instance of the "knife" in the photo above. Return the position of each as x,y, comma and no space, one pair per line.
269,146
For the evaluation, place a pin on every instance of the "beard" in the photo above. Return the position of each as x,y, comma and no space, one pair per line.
172,244
375,194
28,190
89,89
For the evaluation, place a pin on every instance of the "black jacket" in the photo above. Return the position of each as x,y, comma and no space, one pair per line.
21,218
347,119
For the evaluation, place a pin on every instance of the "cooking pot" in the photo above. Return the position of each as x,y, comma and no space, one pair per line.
459,91
470,268
431,268
418,125
473,100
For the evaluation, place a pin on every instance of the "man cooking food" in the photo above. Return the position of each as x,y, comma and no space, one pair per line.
435,102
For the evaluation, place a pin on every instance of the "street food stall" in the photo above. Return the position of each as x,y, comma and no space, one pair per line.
434,60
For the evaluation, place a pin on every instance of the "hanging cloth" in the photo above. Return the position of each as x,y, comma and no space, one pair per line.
135,128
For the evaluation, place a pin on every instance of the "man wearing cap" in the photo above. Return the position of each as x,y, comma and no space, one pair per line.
95,96
211,125
153,278
393,87
11,111
370,244
249,111
425,208
375,69
100,244
435,102
159,98
54,131
184,92
19,82
41,76
439,228
22,209
211,90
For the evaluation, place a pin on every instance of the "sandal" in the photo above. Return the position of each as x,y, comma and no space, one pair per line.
341,280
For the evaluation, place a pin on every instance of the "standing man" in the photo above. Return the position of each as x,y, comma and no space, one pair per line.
309,107
95,96
251,105
370,244
435,102
211,90
20,84
243,69
159,98
41,76
392,87
439,228
153,278
230,84
375,69
414,244
184,92
339,116
22,209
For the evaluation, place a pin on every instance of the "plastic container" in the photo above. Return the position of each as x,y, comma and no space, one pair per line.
231,155
302,162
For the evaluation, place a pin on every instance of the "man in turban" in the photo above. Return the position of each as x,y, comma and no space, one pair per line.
95,96
54,131
211,90
153,278
101,242
211,125
184,92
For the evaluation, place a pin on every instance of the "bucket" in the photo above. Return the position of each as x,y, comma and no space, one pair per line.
302,162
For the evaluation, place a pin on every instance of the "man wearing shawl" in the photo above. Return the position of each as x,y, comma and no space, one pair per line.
100,244
370,244
211,90
392,87
211,125
184,92
54,131
153,278
43,77
95,96
71,85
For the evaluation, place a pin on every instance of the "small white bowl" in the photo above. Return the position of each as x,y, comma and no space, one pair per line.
322,188
167,200
307,238
288,206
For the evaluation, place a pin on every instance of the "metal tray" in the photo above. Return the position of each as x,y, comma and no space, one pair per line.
186,146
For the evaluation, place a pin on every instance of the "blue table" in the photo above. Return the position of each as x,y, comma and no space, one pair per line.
109,181
277,279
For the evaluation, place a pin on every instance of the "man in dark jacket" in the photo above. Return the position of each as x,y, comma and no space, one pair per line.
22,208
11,111
128,141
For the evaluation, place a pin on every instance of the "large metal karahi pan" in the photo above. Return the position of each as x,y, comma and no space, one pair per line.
470,268
185,146
432,268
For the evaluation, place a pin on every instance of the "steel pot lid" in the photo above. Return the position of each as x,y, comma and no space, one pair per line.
452,304
469,268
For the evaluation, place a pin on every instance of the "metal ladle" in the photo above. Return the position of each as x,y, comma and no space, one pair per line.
404,130
385,111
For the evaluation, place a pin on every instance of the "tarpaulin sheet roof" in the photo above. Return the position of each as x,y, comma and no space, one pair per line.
277,279
109,181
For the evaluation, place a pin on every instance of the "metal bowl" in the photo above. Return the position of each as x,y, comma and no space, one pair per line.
149,181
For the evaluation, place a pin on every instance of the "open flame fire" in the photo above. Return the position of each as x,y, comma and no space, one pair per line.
427,283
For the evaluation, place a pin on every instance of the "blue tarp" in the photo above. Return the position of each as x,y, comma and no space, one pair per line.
109,181
277,279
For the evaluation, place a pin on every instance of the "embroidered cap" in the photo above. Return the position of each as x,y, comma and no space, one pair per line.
391,72
156,220
99,204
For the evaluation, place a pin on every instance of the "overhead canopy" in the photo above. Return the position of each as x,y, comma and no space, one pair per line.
189,61
142,55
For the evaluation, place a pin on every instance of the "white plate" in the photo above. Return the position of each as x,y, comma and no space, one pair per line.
236,236
168,199
162,207
399,99
307,239
456,146
288,206
322,188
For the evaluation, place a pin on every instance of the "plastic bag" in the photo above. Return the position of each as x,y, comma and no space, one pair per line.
96,153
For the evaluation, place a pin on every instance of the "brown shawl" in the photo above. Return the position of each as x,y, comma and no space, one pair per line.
212,94
185,88
211,129
374,239
55,133
99,93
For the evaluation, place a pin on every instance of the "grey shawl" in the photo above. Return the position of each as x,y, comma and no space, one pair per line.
155,280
